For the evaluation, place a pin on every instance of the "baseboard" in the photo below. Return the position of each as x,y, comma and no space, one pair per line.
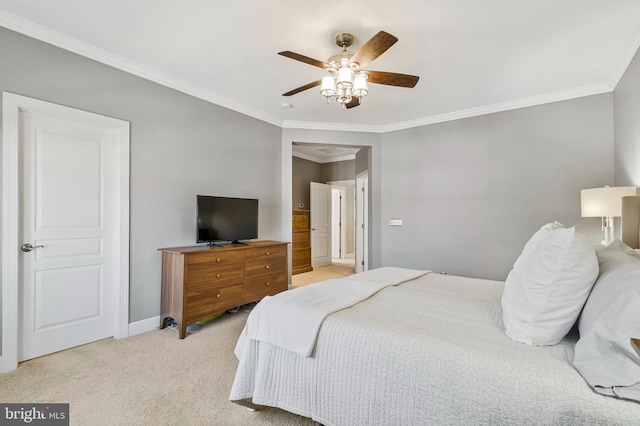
144,325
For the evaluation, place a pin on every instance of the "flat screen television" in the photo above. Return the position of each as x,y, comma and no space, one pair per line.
224,219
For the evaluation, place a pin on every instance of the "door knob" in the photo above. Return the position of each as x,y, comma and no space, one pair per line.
26,247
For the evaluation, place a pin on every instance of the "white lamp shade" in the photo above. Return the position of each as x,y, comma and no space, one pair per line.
344,78
360,87
328,87
604,202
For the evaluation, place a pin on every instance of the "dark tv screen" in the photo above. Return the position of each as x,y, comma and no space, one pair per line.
226,219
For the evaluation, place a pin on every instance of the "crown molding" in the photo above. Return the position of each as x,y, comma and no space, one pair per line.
595,89
340,127
81,48
71,44
625,58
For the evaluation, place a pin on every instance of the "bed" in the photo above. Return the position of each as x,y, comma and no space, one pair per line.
429,350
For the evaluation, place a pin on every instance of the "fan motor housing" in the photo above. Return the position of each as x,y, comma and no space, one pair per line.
344,40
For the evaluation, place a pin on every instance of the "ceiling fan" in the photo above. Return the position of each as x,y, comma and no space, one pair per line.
347,82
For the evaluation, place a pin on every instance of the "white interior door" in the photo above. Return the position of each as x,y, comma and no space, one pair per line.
71,231
362,214
320,213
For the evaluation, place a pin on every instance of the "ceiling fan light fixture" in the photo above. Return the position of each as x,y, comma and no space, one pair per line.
346,80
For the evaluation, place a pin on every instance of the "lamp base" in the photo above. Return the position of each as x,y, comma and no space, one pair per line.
607,227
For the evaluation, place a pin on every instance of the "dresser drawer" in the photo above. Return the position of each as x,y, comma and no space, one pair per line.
300,220
201,303
264,253
300,239
265,260
255,267
214,275
303,254
301,262
214,258
258,287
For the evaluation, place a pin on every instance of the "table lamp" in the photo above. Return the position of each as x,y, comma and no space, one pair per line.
605,203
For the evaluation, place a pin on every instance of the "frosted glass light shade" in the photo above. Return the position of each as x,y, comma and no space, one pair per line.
604,202
328,87
360,87
344,78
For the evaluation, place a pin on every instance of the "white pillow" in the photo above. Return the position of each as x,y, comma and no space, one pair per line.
548,285
616,253
604,355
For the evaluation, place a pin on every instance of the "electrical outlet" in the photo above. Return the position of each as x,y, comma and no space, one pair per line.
395,222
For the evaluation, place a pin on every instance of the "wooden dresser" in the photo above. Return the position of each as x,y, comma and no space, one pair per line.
300,242
200,281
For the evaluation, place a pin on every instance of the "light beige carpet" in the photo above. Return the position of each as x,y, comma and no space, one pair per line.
149,379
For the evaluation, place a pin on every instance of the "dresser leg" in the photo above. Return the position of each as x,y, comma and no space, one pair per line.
182,328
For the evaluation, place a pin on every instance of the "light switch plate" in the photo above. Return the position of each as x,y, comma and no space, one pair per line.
395,222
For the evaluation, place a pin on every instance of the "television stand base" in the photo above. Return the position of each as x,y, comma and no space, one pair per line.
225,243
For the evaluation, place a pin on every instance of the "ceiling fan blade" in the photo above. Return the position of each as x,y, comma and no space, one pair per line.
303,88
376,46
354,103
305,59
392,78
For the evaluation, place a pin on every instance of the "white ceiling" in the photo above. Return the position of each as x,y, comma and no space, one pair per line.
473,57
323,154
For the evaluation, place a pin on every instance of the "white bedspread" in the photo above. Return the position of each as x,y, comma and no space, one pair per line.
429,351
292,319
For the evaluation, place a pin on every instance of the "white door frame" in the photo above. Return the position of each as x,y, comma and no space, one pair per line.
12,105
362,222
337,207
342,186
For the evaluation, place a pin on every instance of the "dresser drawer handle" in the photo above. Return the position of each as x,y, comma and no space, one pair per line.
218,295
218,275
267,253
218,260
267,283
267,266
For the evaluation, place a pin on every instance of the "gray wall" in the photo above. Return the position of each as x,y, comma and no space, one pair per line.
180,146
304,172
363,158
339,170
627,126
471,192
